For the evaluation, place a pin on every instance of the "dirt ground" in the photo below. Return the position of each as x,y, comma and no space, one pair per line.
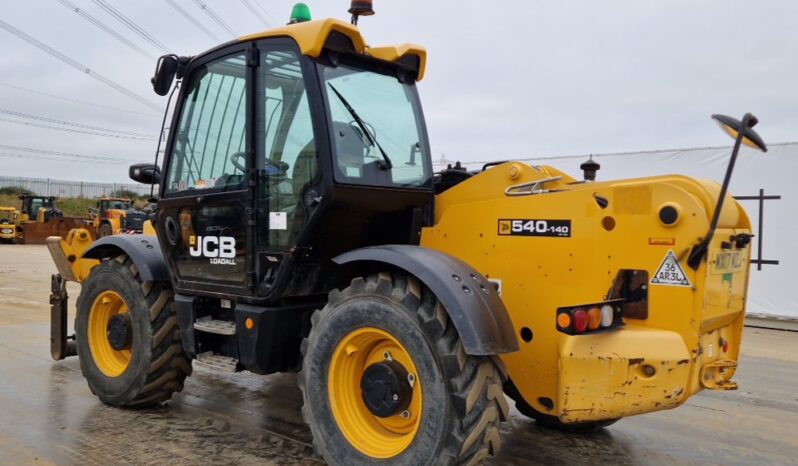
49,416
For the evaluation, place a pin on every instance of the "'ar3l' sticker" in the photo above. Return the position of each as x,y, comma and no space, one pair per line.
670,272
535,227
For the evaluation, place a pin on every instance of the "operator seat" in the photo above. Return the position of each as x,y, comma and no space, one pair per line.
306,167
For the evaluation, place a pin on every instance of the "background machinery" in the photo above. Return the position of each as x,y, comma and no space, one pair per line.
9,221
299,227
41,218
116,215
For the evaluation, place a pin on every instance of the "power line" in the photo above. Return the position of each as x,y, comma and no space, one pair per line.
103,27
77,100
98,158
118,132
77,65
56,158
130,24
207,10
256,13
71,130
265,12
193,21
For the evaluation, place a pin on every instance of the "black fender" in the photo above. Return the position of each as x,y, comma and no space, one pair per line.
143,250
473,304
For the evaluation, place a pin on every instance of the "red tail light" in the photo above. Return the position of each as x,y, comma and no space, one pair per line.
580,321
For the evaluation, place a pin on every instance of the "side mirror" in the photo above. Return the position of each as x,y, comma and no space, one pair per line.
165,71
146,173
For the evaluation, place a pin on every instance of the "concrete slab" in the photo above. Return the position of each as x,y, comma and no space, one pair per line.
49,416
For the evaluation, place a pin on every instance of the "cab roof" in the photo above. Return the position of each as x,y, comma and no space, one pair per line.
311,37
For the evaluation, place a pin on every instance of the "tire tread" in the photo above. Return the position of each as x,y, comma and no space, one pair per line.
475,381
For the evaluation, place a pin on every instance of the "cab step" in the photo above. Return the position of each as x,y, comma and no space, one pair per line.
218,362
219,327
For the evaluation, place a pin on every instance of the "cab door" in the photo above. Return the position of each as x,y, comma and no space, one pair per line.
205,210
289,183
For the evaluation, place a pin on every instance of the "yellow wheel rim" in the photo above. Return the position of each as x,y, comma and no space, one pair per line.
111,362
373,436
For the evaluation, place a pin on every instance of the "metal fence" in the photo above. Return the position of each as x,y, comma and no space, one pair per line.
64,188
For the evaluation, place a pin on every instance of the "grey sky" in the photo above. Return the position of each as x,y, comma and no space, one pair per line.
533,78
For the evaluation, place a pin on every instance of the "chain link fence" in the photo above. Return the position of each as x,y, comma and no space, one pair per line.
64,188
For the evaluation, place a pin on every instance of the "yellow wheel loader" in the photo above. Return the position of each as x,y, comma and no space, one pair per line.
40,218
300,227
9,220
113,216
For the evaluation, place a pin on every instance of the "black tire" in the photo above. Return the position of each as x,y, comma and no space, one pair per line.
105,230
462,398
158,364
547,420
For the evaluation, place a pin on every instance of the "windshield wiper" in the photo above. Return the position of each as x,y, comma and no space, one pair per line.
385,166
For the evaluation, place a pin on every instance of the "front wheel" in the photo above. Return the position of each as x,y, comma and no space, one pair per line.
105,230
127,336
385,378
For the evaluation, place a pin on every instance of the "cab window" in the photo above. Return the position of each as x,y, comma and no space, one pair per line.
209,147
375,116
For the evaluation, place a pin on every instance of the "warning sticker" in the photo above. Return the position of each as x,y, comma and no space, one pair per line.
670,272
278,221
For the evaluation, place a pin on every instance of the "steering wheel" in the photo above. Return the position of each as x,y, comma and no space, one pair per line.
239,160
275,168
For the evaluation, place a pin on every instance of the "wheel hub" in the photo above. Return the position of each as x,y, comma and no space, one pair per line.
119,331
385,388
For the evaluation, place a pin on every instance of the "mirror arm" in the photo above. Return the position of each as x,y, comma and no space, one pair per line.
152,198
700,250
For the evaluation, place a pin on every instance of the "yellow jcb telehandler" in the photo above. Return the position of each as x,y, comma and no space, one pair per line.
300,227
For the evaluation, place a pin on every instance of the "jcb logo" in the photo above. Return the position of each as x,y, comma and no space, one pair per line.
222,247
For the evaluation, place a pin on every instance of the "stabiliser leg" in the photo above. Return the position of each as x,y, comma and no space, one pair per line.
61,346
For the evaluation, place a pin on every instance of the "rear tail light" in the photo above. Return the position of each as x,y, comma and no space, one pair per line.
579,320
591,318
607,315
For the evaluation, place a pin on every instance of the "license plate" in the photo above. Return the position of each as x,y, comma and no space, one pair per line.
6,231
727,262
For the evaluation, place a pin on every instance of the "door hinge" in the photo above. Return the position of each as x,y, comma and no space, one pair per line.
251,276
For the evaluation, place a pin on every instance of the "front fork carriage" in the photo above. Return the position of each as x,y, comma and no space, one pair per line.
61,345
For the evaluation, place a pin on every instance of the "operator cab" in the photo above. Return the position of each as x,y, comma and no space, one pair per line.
32,204
104,205
286,149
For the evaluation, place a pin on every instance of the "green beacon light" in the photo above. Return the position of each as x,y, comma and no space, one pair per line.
299,14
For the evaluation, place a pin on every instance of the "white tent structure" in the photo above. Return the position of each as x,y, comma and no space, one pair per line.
764,184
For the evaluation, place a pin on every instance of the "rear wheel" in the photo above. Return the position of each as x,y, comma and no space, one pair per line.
549,421
385,378
105,230
127,336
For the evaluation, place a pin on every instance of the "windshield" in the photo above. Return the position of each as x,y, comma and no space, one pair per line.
119,205
389,111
